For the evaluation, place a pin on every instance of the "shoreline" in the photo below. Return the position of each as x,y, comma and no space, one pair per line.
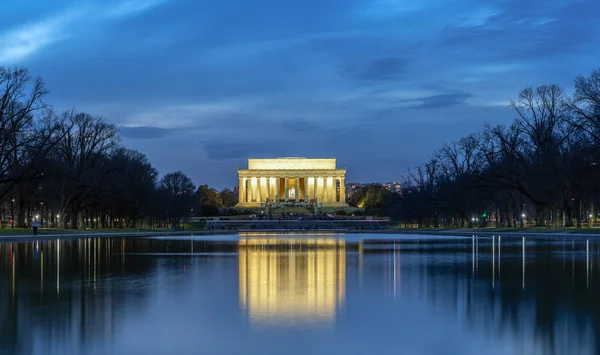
490,233
387,232
26,237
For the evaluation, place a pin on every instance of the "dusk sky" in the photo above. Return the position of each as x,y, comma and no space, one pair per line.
200,86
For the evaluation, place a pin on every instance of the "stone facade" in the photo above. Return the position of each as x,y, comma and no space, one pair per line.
298,180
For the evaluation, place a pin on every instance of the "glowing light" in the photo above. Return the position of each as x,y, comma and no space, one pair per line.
37,216
523,215
309,286
291,164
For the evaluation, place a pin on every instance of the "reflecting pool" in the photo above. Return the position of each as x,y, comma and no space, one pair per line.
300,294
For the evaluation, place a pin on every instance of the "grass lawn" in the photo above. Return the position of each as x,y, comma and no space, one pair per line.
51,231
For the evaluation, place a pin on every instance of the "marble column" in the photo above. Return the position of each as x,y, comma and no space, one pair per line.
343,190
296,189
305,189
242,190
252,192
265,189
332,189
258,187
269,188
277,189
319,186
286,189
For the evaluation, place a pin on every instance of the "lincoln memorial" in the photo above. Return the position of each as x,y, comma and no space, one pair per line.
292,180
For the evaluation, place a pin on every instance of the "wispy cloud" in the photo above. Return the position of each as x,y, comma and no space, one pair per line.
19,43
441,101
132,7
145,132
192,115
379,69
388,8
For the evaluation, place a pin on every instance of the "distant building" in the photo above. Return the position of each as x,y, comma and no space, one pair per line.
393,186
236,190
352,187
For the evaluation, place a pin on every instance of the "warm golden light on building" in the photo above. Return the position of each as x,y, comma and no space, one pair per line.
292,280
299,180
291,164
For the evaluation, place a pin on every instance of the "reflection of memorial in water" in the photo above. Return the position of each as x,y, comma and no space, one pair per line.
292,280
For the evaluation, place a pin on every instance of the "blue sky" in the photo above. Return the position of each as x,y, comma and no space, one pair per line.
201,85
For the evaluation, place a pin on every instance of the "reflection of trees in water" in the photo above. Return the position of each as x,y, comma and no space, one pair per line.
557,310
82,296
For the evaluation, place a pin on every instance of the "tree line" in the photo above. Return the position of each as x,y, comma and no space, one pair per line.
70,169
543,169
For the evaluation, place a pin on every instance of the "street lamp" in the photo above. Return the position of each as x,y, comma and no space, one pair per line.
12,213
523,215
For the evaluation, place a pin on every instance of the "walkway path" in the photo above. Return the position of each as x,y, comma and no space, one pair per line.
476,232
387,232
46,236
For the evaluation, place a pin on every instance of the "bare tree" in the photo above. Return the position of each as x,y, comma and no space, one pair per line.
80,155
20,100
585,105
178,194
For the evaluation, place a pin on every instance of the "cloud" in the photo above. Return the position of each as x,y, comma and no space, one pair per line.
145,132
225,149
254,78
132,7
379,69
17,44
192,115
390,8
298,125
441,101
527,30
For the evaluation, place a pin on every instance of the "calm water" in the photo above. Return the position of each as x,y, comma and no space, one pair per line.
300,295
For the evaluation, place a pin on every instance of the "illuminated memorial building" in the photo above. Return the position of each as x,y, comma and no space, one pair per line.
292,181
293,281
